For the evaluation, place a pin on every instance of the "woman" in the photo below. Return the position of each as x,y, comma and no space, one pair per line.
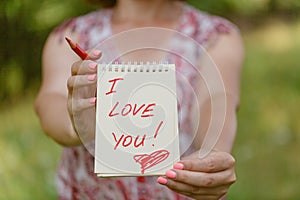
205,178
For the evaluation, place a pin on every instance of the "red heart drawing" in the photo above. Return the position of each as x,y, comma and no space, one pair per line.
147,161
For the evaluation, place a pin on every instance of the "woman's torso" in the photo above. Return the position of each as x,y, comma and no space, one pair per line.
76,179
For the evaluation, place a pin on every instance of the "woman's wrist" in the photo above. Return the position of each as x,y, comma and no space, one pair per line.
73,137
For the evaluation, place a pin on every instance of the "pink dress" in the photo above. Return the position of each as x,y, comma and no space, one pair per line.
76,179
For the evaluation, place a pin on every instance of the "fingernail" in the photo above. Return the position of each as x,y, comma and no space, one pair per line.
162,180
171,174
92,65
96,52
92,77
93,100
179,166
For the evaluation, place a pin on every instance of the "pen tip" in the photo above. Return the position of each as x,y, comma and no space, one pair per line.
70,42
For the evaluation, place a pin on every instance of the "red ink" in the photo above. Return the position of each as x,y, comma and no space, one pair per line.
134,109
147,161
157,129
113,85
126,141
117,141
115,138
148,109
159,125
110,114
142,142
126,144
123,110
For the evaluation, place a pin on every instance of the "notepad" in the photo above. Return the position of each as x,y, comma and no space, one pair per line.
136,120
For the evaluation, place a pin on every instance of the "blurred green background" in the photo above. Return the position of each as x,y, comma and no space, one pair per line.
267,145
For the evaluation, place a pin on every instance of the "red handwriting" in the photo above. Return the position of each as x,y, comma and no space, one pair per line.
137,141
157,129
147,161
113,81
144,110
127,140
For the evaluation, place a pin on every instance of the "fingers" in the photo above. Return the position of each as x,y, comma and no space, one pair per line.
87,66
199,185
78,81
207,178
198,192
83,73
80,98
83,67
94,54
202,179
215,162
78,105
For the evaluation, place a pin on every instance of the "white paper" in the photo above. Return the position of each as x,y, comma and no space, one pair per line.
136,120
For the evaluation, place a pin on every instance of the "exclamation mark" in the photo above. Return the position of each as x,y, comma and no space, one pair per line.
156,132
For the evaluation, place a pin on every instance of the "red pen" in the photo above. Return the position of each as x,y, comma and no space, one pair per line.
77,49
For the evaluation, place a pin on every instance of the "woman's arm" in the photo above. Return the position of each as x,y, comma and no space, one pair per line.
210,177
51,101
228,56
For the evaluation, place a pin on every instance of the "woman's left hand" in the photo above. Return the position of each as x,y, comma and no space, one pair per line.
208,178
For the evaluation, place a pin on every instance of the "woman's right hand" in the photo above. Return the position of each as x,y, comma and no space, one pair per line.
82,86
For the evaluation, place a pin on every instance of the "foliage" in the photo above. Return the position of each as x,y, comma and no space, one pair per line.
28,158
24,27
26,24
246,7
267,143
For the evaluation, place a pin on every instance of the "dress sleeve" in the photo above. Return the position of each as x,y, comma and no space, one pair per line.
212,27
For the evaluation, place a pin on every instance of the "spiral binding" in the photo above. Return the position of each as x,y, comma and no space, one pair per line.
161,66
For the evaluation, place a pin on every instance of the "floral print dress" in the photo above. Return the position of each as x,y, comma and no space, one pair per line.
76,179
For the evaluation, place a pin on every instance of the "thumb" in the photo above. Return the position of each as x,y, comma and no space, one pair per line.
214,162
94,54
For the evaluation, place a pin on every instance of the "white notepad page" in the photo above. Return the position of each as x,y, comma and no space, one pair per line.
136,120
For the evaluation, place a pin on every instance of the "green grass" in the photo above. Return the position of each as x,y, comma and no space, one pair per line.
267,144
28,158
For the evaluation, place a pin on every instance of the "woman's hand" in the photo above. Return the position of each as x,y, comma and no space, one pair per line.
208,178
82,96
